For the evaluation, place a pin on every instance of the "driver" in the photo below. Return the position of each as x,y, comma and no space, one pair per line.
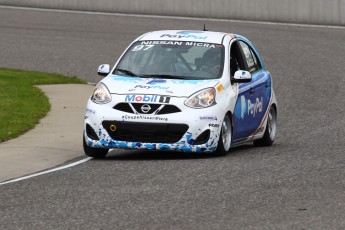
211,61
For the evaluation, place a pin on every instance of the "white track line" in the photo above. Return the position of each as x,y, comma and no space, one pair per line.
175,17
47,171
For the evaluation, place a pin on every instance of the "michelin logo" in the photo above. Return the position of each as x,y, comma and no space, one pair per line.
252,108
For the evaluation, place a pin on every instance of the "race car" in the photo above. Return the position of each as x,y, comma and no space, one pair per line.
190,91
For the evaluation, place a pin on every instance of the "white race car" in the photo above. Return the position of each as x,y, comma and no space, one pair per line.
191,91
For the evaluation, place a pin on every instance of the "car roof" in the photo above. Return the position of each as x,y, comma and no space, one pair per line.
186,35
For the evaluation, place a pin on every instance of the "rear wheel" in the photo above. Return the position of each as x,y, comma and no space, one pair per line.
225,138
271,129
94,152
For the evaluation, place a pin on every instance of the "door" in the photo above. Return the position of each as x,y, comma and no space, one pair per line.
253,97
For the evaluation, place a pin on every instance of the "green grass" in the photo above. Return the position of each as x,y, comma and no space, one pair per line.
21,103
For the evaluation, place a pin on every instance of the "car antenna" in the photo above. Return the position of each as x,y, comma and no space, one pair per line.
205,28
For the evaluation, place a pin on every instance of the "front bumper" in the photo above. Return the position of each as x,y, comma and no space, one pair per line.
190,130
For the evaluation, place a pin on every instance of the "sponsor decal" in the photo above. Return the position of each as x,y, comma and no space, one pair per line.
256,107
163,99
152,84
145,45
210,118
185,34
90,111
143,117
151,87
141,98
220,88
161,43
213,125
147,98
251,108
200,44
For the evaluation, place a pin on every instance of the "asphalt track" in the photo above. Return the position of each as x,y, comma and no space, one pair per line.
298,183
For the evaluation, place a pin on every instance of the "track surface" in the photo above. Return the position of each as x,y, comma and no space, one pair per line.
298,183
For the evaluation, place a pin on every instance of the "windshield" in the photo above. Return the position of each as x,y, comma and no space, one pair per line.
172,59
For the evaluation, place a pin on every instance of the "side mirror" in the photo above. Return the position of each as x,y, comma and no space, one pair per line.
242,76
103,70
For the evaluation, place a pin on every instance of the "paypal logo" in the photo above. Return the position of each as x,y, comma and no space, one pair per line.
252,108
186,34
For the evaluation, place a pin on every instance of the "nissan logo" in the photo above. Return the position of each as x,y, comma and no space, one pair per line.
145,108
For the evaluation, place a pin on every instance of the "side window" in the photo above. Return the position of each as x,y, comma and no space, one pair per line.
251,59
236,60
255,59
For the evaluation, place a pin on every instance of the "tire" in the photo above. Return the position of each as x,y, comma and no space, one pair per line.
94,152
271,129
225,137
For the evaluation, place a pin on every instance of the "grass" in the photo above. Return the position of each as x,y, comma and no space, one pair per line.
21,103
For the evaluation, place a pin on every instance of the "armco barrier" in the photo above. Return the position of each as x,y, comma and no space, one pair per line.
326,12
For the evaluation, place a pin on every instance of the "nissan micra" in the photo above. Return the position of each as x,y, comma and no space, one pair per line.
190,91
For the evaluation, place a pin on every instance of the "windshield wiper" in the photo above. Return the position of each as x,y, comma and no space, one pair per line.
164,76
127,72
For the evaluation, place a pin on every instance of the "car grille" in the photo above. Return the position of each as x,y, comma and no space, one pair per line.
157,109
145,132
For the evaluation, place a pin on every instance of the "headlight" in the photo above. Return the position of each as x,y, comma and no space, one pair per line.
202,99
101,94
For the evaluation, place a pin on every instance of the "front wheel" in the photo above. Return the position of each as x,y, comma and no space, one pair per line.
225,138
94,152
271,129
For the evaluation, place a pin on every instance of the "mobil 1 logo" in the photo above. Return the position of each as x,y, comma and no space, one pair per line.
147,98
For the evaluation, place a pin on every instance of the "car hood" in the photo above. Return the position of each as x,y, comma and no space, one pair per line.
174,87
